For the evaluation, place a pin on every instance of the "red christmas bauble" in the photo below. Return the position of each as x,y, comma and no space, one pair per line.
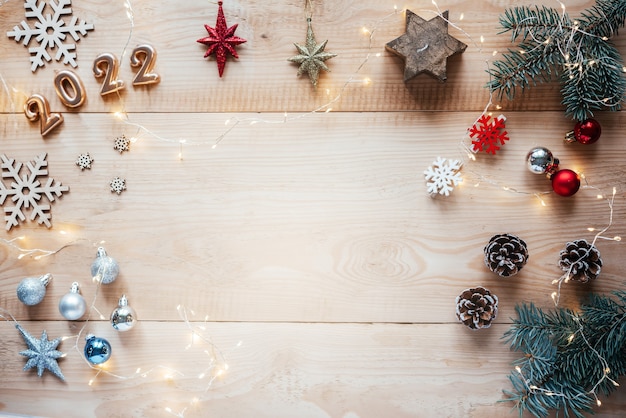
565,182
587,131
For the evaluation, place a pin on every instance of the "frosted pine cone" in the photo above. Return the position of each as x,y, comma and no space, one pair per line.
476,307
506,254
581,261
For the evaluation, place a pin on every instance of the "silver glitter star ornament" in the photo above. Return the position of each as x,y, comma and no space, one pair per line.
41,353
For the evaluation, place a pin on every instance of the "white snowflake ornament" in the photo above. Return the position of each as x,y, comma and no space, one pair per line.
50,32
121,144
118,185
27,191
442,176
84,161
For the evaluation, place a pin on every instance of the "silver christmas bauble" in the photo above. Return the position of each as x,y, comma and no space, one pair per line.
72,305
31,290
539,160
123,317
104,268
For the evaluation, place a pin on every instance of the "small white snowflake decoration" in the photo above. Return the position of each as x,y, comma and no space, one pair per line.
118,185
50,31
442,176
84,161
26,191
121,144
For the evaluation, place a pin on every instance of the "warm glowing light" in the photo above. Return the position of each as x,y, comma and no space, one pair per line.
570,338
462,16
482,39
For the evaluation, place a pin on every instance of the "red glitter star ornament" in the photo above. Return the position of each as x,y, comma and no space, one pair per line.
221,40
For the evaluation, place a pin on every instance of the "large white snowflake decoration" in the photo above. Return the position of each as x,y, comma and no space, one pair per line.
50,32
442,176
26,191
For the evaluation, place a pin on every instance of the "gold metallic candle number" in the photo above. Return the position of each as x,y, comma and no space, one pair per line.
144,56
107,65
37,107
69,88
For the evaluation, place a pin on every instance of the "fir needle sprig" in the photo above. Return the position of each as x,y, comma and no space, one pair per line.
578,52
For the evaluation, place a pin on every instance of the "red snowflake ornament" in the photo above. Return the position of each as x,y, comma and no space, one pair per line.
221,40
488,134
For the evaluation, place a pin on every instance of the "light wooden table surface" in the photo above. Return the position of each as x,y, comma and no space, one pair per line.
304,246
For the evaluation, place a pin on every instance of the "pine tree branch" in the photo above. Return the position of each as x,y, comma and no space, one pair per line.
589,67
569,357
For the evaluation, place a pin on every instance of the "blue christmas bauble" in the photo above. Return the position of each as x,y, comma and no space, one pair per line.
97,350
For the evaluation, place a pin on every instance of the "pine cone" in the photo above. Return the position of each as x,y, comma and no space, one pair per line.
580,260
476,307
505,254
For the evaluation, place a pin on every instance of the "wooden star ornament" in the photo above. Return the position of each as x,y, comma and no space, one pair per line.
221,40
426,46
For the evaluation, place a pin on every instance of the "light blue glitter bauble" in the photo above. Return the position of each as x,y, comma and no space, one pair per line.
105,268
31,290
97,350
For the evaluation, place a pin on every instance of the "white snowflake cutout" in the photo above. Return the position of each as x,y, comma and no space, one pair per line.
26,191
121,144
50,31
442,176
118,185
84,161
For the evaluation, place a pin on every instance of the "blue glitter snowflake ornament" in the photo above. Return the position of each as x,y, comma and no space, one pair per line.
41,353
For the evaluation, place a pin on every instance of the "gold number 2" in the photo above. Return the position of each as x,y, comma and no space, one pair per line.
108,66
144,56
37,107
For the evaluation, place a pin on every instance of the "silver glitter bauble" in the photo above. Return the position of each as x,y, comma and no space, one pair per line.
104,268
123,317
31,290
72,305
540,160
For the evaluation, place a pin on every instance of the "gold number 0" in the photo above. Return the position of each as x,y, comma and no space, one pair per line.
68,80
144,56
108,66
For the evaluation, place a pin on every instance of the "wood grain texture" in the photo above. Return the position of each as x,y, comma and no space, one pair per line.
308,237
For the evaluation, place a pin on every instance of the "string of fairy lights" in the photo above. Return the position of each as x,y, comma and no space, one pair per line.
216,365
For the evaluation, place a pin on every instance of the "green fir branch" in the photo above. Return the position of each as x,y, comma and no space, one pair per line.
577,52
569,357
